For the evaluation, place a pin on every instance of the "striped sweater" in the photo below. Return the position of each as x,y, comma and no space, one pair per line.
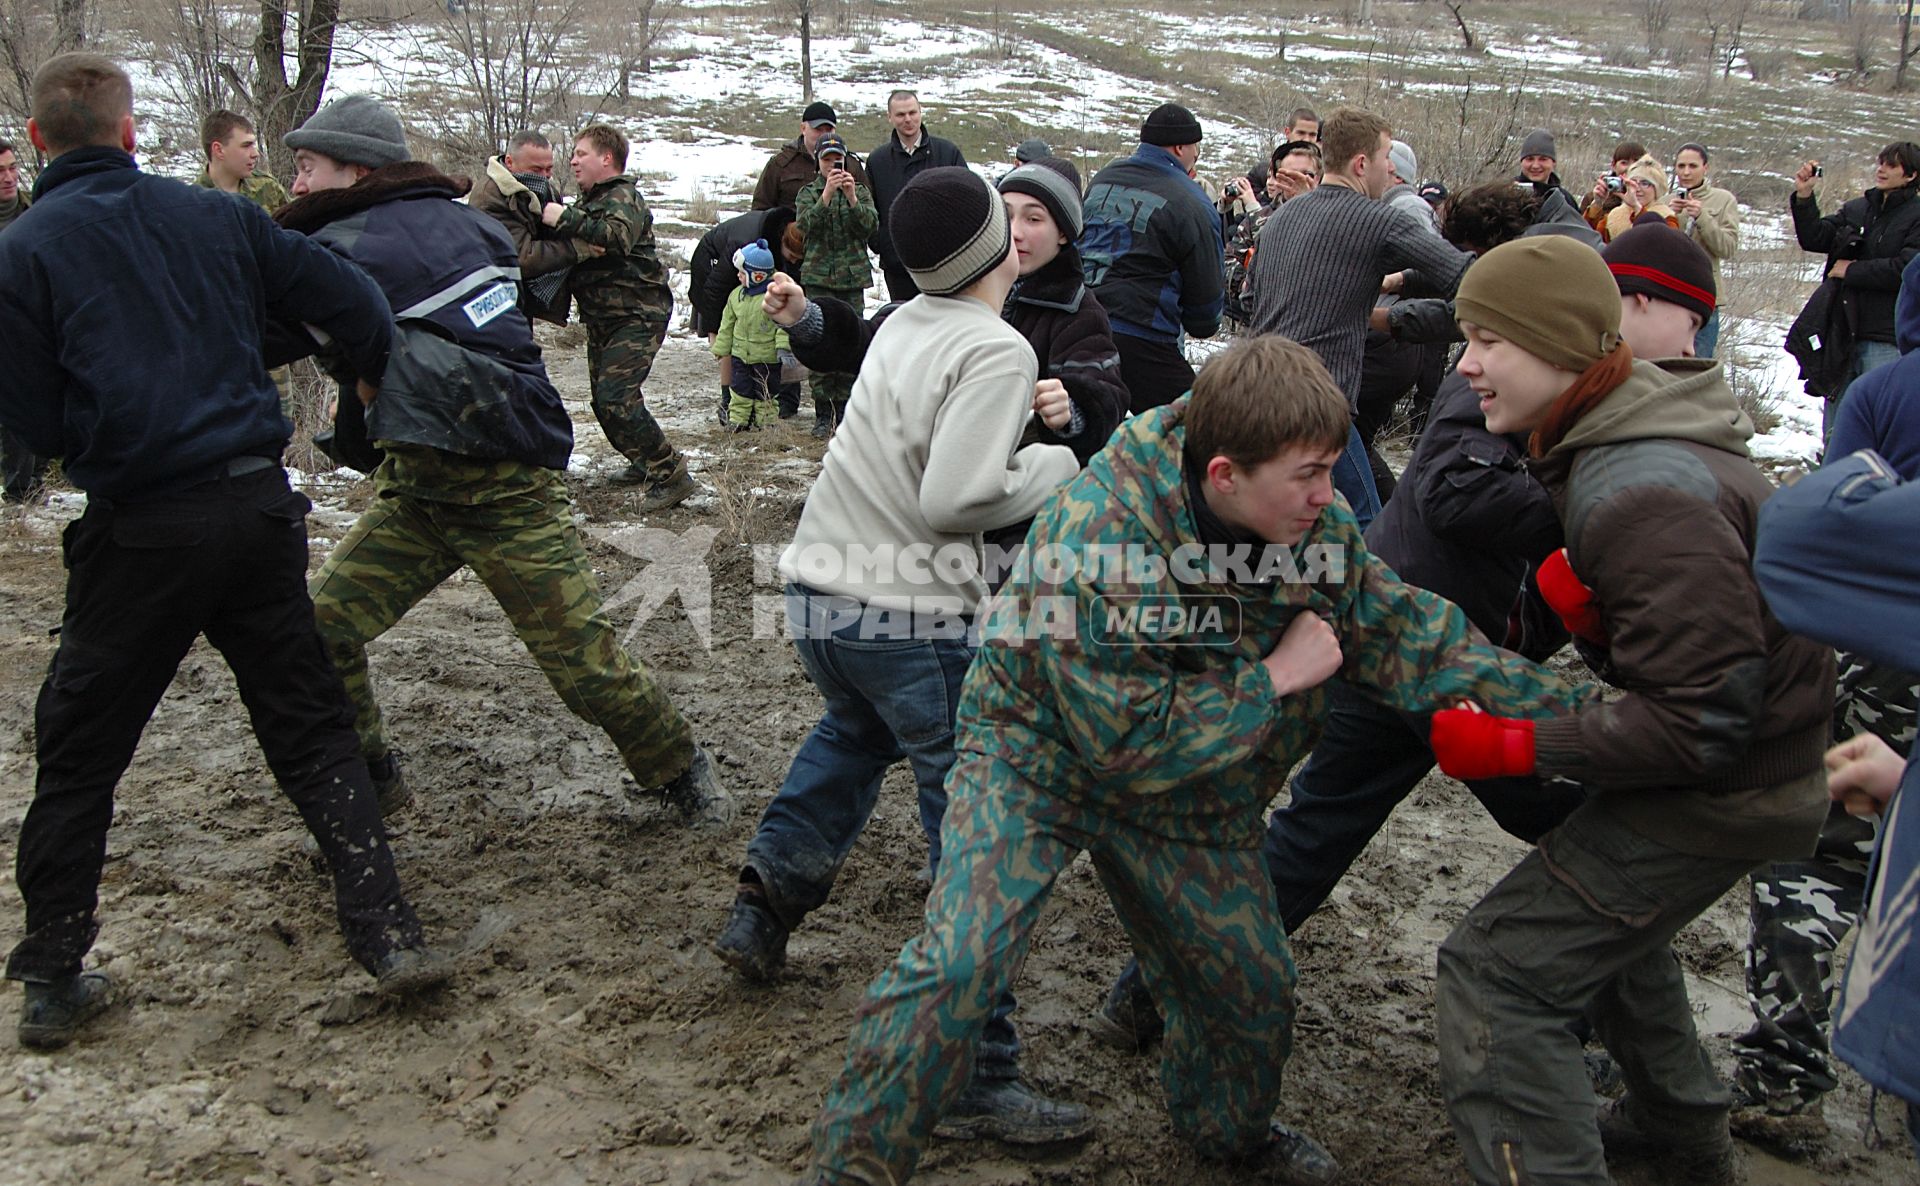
1318,269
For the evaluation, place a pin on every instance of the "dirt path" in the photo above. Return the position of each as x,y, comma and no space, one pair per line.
591,1037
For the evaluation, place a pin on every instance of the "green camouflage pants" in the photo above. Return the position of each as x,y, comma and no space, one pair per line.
527,551
837,385
619,358
1202,919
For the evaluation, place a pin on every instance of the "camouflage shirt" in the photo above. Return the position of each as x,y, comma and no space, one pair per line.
260,189
1179,731
837,234
628,283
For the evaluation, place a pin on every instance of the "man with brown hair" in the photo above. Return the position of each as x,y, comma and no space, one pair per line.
190,526
233,160
625,304
1091,721
1322,260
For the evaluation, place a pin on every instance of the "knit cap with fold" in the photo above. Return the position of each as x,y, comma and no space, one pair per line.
1169,126
354,130
949,228
1551,296
1653,259
1056,184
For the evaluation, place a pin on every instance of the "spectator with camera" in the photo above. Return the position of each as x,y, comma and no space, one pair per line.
1293,169
1609,186
1867,242
1710,217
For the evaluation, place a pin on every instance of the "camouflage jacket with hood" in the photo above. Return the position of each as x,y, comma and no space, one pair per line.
1180,733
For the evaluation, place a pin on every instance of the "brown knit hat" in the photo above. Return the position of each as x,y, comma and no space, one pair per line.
1550,295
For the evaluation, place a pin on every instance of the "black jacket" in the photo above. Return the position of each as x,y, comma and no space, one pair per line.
1880,232
890,167
465,377
710,274
144,369
1467,520
1153,249
1069,333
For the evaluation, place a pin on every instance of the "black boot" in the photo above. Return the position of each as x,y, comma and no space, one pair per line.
1008,1110
754,941
789,397
1129,1020
56,1009
822,418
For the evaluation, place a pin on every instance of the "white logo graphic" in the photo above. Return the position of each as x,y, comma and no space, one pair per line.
676,563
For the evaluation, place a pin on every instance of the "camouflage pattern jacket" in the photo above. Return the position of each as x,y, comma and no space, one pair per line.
628,283
837,234
260,189
1177,730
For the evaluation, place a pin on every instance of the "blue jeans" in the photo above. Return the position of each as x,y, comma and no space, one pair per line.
1708,337
1866,357
1369,759
892,689
1353,478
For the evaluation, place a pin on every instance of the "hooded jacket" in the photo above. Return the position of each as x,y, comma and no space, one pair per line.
1881,411
507,199
141,373
1880,232
465,377
1716,747
1179,732
1817,575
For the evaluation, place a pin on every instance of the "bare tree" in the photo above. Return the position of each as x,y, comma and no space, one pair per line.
804,10
517,61
1453,7
195,43
1864,32
1656,16
280,104
628,32
1907,49
31,31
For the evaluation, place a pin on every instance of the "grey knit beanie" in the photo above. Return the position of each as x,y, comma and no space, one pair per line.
355,130
1056,183
950,228
1539,142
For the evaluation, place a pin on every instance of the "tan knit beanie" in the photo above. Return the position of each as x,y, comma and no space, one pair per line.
1550,295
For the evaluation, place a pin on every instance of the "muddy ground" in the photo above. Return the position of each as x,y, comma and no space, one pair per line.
591,1037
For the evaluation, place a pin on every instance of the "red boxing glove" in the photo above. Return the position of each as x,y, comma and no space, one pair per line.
1570,598
1470,743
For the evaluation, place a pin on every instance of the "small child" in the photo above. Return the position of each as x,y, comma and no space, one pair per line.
751,339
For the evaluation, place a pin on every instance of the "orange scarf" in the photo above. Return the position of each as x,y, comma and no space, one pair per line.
1594,384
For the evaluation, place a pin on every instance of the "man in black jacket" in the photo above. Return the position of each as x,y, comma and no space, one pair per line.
1868,243
190,526
908,151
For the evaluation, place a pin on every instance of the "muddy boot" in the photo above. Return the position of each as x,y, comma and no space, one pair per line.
1129,1021
1008,1110
408,970
1296,1159
1789,1126
668,492
1694,1150
754,941
56,1009
789,397
697,795
822,418
389,783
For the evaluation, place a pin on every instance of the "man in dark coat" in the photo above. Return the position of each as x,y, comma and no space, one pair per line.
793,166
711,279
907,151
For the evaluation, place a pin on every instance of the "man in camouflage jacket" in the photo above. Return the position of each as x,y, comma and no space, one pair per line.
625,304
1089,723
837,215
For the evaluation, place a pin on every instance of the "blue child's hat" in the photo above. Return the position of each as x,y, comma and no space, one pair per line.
756,260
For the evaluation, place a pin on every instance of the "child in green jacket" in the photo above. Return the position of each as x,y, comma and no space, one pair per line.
751,339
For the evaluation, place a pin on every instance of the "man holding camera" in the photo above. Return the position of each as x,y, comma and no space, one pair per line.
837,215
1868,242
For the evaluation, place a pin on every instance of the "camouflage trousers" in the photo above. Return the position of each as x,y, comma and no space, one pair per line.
1202,919
528,553
619,358
836,386
1799,914
1801,911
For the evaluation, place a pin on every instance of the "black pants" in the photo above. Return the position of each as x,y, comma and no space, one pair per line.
23,471
227,558
1156,373
900,285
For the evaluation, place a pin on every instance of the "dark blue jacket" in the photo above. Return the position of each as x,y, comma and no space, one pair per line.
1153,249
1882,408
1838,560
132,314
466,376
